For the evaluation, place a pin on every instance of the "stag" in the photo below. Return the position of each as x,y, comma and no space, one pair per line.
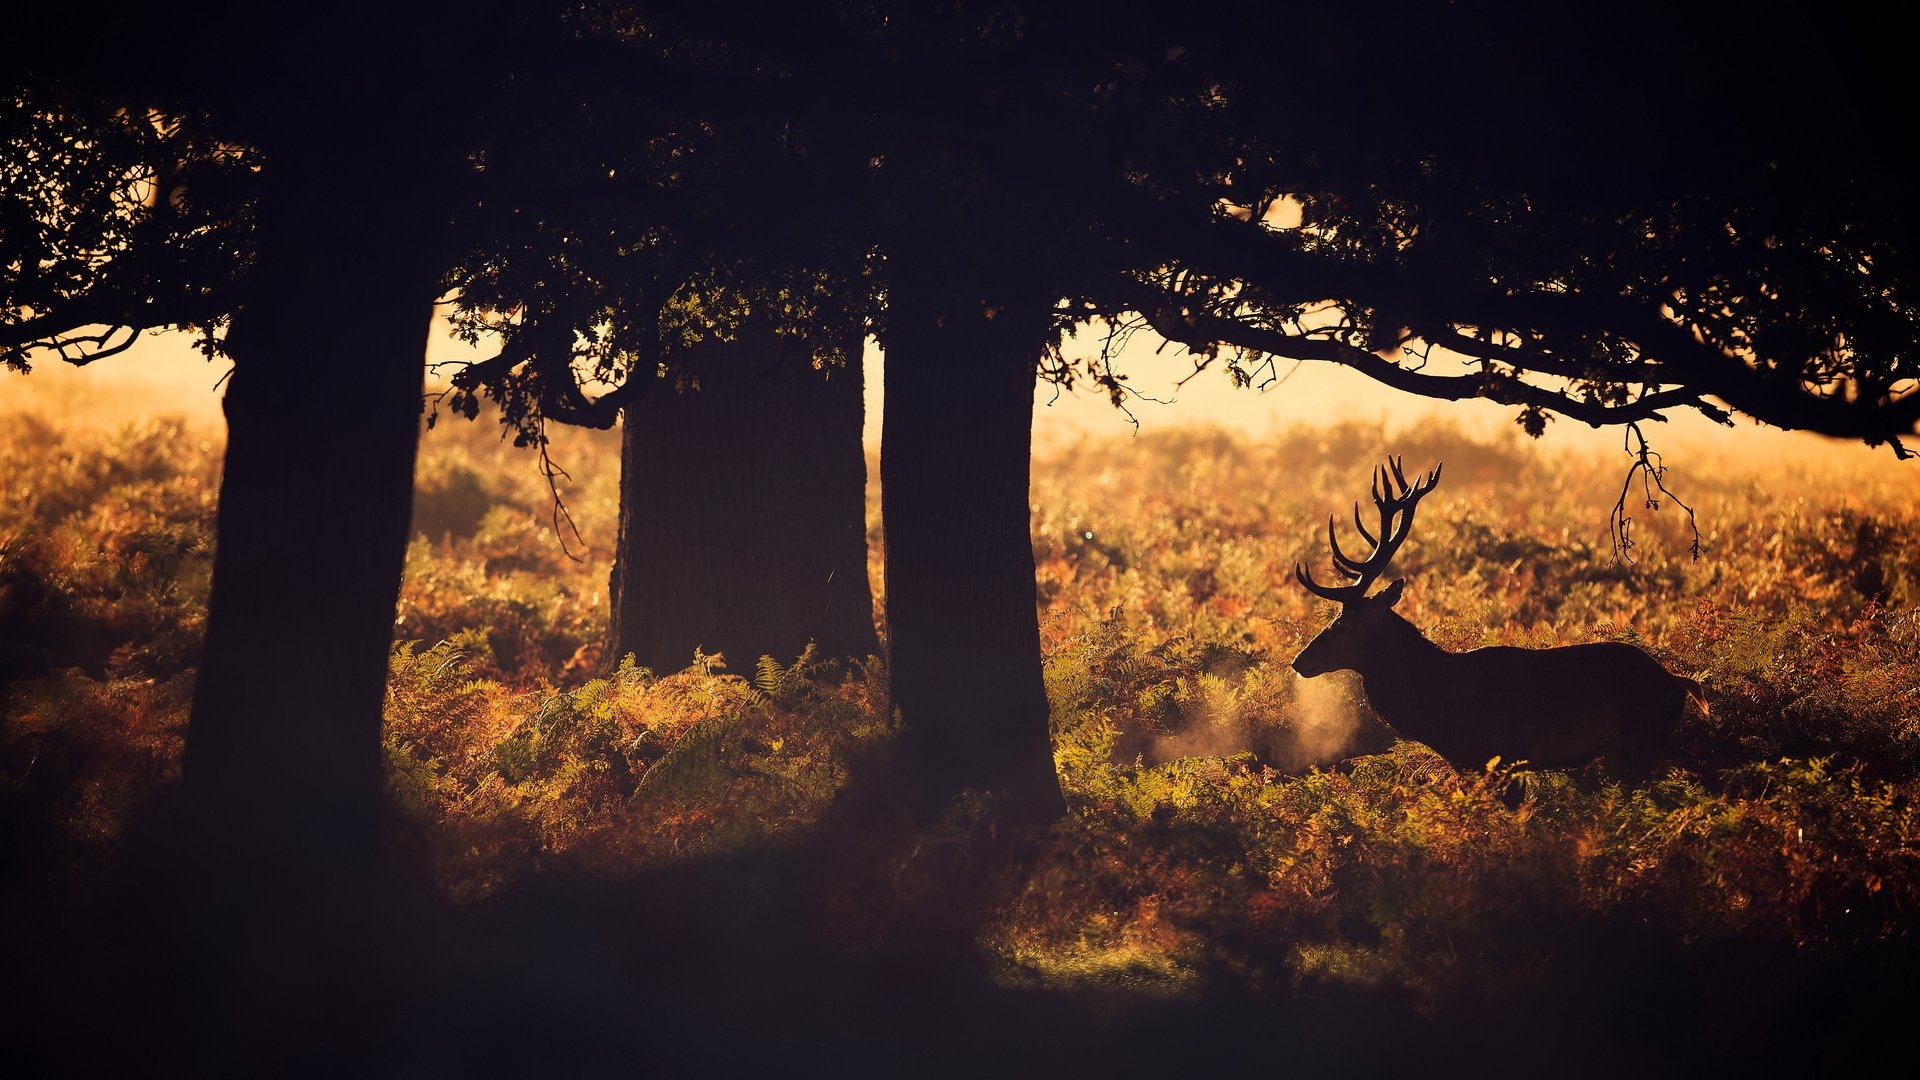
1557,708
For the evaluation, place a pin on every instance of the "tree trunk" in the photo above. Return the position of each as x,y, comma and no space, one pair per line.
962,617
743,526
283,766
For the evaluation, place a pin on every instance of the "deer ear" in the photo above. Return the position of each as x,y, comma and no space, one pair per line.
1391,594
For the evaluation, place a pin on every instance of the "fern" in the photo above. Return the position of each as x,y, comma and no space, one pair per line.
696,765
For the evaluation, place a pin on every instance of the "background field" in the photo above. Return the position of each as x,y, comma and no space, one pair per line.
1233,826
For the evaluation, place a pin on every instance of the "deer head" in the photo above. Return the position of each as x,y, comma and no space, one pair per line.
1364,620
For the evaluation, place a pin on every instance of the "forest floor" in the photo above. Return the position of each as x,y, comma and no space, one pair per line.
727,968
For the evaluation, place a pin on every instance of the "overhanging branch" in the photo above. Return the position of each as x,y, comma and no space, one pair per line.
1168,317
1670,353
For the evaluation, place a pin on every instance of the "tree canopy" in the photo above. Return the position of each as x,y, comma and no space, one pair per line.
1605,216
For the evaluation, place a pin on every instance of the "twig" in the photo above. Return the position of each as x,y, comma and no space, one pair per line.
1651,468
554,474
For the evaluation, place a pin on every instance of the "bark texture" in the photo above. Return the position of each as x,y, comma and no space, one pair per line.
743,511
962,616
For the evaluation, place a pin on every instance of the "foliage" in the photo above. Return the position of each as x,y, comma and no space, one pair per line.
104,559
1230,821
1455,238
114,220
105,553
620,771
1352,865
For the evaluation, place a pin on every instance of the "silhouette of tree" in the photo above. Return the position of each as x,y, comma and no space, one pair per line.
1588,217
743,508
115,220
301,192
851,184
962,342
733,363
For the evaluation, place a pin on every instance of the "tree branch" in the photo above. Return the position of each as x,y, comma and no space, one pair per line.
1198,331
1670,353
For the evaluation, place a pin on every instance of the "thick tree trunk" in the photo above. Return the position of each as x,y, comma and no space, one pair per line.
962,618
743,512
283,766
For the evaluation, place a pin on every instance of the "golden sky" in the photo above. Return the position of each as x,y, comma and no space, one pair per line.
165,375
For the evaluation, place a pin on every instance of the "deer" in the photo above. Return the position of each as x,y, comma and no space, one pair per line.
1557,708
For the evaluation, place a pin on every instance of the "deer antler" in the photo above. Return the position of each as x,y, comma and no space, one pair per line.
1395,498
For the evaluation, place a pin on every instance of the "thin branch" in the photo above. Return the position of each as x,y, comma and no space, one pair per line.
553,473
1651,469
75,349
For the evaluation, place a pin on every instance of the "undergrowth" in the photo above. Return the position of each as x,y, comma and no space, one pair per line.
1229,820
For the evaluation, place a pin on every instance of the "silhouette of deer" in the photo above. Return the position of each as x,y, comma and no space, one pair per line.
1553,708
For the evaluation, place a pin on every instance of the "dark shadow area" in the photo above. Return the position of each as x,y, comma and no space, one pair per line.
805,961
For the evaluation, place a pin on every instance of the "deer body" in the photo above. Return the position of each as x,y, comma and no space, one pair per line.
1553,708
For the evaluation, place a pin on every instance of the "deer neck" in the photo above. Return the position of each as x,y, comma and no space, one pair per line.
1399,670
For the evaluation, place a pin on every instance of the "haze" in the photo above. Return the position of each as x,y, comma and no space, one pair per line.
166,375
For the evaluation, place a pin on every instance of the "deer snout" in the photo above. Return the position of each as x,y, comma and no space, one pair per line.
1307,665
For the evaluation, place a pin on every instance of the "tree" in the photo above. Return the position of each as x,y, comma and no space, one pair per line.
322,410
1539,214
743,508
963,633
102,238
962,349
970,313
315,498
984,256
728,340
348,161
743,517
1607,259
